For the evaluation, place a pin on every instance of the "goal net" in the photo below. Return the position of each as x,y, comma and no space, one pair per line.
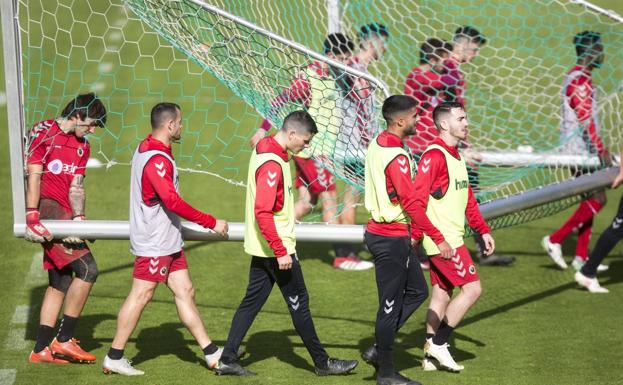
229,76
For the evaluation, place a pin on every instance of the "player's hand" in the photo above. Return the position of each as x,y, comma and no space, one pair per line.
618,180
414,242
606,159
35,231
285,262
72,239
445,250
489,243
259,135
221,227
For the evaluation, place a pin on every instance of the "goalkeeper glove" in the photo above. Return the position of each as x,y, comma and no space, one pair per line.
35,231
72,239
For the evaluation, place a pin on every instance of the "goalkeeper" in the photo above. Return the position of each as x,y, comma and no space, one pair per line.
56,160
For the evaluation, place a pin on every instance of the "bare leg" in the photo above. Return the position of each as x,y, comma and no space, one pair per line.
182,287
437,308
131,310
460,304
51,306
77,296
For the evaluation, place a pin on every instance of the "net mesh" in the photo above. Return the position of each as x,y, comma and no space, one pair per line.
228,77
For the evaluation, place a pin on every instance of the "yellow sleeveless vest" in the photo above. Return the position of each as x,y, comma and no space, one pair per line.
254,242
323,108
377,201
448,212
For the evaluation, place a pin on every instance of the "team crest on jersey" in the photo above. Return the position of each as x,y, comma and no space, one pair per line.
472,269
80,151
163,271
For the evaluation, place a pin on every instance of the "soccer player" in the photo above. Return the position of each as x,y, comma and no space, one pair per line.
444,199
270,240
156,239
389,236
587,275
358,125
56,160
426,83
579,134
467,42
316,89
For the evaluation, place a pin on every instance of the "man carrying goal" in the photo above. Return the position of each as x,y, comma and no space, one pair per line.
579,134
57,154
156,239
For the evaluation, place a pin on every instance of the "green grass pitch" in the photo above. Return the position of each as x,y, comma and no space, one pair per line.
531,326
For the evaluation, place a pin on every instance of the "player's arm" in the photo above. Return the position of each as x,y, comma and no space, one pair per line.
580,93
476,221
35,231
269,182
298,91
159,173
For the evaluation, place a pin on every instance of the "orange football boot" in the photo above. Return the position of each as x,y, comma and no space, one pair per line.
45,357
70,350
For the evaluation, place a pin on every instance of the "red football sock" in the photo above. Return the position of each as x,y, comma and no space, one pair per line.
583,214
584,238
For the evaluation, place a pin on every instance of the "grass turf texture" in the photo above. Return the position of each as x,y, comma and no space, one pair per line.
531,326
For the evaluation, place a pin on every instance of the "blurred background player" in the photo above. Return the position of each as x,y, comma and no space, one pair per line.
315,88
156,239
444,200
426,83
270,240
391,232
467,42
358,125
579,134
57,154
587,275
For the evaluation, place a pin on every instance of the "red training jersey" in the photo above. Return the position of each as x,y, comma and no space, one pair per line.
270,195
399,186
158,185
62,156
432,180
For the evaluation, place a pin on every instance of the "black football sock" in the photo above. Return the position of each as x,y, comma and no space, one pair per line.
115,354
443,333
67,328
210,349
44,336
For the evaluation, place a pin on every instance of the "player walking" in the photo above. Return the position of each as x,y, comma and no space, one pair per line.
56,161
270,240
579,134
391,232
444,199
156,239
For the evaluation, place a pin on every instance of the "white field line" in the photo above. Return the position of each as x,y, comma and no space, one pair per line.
7,376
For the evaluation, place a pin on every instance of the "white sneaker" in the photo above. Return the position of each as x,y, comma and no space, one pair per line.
578,263
442,355
212,359
592,284
352,262
120,366
430,364
554,251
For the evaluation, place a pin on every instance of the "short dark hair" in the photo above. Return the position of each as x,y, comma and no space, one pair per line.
584,41
338,44
471,33
397,104
301,121
371,30
86,106
162,112
443,109
433,48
